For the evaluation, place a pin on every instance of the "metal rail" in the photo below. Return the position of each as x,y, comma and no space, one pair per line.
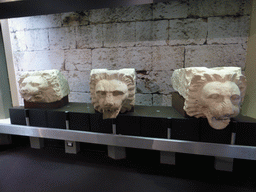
171,145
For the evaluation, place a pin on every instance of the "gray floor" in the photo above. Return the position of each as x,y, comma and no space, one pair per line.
50,169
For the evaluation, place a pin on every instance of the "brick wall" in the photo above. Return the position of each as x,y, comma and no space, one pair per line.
155,39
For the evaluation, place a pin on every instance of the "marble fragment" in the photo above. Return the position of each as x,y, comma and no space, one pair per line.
43,86
214,93
112,91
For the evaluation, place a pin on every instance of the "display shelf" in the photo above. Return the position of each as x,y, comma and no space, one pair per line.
171,145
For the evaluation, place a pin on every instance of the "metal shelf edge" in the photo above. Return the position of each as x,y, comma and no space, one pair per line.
171,145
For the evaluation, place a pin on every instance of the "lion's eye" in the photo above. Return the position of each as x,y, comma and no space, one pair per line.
235,97
23,84
35,84
116,93
102,93
213,96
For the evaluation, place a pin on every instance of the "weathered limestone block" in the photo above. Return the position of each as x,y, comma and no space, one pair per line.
139,58
134,13
18,41
143,99
162,80
113,91
39,60
43,21
215,55
62,38
154,82
75,18
150,33
43,86
79,81
188,31
228,30
79,97
37,40
168,58
144,33
119,34
121,14
78,59
162,100
31,40
89,36
170,10
35,22
214,93
207,8
145,83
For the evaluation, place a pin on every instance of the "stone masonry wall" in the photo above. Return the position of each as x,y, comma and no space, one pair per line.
155,39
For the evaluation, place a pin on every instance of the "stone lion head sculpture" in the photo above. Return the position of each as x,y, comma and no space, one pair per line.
214,93
43,86
112,91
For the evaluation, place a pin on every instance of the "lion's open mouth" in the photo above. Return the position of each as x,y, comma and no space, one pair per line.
110,113
219,123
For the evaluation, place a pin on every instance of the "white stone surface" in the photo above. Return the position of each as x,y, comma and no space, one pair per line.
79,97
215,56
139,58
43,86
37,40
17,24
79,81
78,59
30,40
113,91
18,41
187,31
44,21
39,60
170,10
143,99
214,93
89,36
228,30
206,8
35,22
168,58
119,34
162,100
62,38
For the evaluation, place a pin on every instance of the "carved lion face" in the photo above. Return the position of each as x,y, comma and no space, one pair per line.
220,101
33,88
111,95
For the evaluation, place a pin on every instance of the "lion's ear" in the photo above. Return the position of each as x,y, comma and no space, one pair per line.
23,76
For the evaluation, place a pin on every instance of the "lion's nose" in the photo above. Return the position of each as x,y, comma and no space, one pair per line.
109,102
228,109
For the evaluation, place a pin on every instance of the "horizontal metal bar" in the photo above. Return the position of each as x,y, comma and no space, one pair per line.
171,145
